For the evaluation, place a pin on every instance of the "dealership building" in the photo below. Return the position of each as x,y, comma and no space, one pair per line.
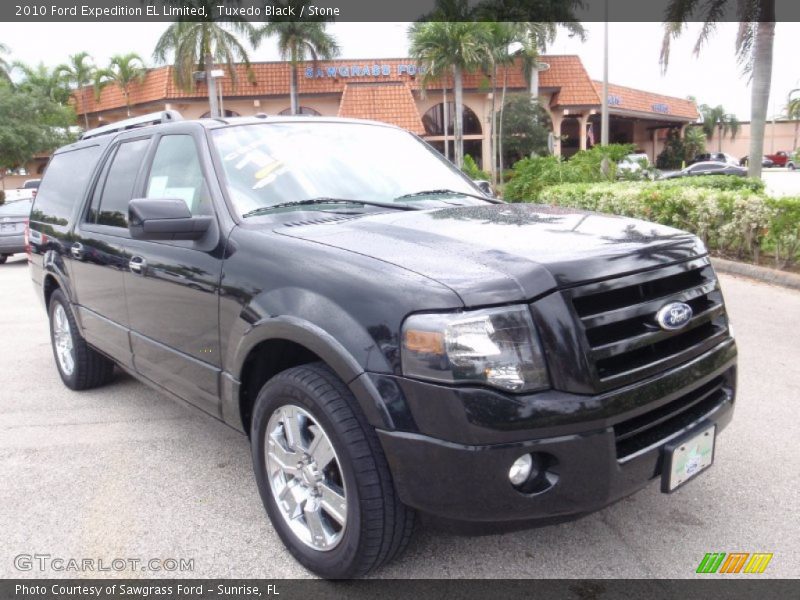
390,90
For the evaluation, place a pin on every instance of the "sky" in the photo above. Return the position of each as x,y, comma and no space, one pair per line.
713,77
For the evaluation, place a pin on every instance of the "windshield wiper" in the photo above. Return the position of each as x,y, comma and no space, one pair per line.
447,192
325,200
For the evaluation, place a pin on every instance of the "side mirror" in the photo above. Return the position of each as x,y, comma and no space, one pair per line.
164,219
484,186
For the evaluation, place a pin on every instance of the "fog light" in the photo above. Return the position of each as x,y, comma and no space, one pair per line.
520,470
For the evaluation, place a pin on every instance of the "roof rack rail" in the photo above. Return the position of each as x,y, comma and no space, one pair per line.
165,116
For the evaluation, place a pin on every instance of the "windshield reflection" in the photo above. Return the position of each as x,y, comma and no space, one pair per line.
276,163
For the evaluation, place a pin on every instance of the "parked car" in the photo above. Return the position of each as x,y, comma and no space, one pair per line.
707,168
780,159
633,163
391,345
722,157
766,162
13,221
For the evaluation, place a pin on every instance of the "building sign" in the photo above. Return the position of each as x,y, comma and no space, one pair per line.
661,108
363,71
614,100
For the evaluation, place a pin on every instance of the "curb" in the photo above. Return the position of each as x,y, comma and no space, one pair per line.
773,276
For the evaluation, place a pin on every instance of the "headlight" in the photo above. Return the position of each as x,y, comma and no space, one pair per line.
493,346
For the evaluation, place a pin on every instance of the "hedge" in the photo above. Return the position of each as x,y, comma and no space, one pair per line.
731,215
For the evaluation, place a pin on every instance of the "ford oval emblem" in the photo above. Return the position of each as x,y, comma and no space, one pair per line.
674,315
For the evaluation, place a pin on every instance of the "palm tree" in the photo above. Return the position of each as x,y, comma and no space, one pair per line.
43,80
200,45
297,41
5,67
124,70
441,46
694,141
715,119
754,45
78,72
793,113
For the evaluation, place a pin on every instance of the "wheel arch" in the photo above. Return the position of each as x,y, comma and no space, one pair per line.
275,344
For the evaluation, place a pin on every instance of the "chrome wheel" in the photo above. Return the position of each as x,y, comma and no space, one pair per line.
62,340
305,478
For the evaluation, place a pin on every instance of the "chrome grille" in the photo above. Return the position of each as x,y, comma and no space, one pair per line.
623,341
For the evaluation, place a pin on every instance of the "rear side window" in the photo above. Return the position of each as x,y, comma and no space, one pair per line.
63,185
117,189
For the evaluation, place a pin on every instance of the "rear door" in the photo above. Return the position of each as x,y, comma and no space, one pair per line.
172,286
98,255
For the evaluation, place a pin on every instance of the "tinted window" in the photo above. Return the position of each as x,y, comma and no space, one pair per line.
176,173
17,207
63,185
118,187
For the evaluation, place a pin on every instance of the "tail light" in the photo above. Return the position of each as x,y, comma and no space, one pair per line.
28,237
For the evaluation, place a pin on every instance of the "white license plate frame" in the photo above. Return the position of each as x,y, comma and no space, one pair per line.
687,457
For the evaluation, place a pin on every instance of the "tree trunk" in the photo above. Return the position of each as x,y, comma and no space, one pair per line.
762,78
796,125
445,119
459,117
293,103
85,108
493,143
127,101
211,84
500,161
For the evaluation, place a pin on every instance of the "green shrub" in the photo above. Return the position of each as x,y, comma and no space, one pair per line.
472,171
737,221
783,235
532,175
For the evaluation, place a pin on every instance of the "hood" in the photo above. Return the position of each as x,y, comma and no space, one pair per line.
499,253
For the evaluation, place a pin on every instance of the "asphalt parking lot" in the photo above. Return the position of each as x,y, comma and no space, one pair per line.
123,472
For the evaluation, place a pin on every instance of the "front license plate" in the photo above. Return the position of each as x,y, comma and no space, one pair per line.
688,457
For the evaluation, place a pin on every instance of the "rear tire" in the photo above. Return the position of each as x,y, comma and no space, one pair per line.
3,258
791,166
80,366
313,402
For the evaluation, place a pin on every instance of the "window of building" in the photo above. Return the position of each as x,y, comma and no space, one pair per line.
176,173
117,190
303,110
433,120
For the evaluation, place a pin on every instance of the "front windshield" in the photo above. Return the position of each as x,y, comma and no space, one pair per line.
277,163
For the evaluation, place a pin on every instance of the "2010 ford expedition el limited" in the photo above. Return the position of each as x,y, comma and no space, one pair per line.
393,341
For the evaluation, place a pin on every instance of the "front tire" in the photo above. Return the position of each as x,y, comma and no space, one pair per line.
3,258
80,366
323,477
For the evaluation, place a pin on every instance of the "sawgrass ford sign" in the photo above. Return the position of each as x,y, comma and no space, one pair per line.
375,70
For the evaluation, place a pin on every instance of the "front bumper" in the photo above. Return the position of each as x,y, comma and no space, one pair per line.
591,456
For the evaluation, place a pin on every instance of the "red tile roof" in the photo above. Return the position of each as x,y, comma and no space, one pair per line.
627,98
389,102
566,77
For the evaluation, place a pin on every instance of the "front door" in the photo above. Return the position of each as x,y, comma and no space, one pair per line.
172,286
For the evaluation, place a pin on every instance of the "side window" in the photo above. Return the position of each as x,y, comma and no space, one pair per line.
176,173
63,185
117,189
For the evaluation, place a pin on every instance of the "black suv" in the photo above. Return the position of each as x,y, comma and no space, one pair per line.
393,341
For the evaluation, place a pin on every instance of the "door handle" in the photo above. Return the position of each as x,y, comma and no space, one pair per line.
76,250
137,265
